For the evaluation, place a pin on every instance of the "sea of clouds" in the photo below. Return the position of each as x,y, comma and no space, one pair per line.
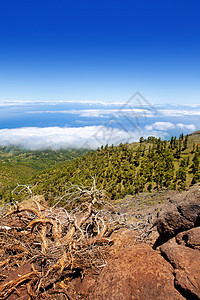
90,125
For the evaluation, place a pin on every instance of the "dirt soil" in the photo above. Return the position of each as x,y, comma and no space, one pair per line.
52,253
56,253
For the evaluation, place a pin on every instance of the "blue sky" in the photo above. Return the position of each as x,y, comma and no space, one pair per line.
100,50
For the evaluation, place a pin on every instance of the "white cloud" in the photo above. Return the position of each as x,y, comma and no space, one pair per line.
55,102
77,137
149,127
57,137
98,113
163,126
180,112
191,127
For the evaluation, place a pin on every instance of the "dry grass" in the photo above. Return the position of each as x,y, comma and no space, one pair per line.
59,243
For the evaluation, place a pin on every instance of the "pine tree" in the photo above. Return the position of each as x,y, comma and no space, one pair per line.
185,143
181,137
172,142
196,166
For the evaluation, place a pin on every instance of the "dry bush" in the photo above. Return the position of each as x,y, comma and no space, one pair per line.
58,243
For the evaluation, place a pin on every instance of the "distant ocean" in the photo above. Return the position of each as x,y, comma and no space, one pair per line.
72,124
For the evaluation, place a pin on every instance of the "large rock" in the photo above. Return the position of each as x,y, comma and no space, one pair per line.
181,213
185,261
189,238
122,238
136,272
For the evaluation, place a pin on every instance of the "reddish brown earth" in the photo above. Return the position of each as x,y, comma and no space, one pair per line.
20,292
185,262
136,272
169,272
131,269
181,213
190,238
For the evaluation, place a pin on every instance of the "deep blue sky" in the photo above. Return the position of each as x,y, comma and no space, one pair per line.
100,50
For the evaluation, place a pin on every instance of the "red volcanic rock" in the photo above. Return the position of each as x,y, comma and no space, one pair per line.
136,272
185,261
190,238
181,213
122,238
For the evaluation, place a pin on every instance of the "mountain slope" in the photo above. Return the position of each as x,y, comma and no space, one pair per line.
17,165
128,169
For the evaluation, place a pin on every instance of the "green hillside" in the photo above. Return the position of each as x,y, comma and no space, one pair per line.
129,169
10,175
146,166
38,159
17,165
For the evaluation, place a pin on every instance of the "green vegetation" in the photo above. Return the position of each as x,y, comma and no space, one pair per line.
149,165
38,159
17,165
127,169
195,168
10,175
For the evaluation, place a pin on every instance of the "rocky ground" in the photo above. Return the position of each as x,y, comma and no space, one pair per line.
169,269
149,252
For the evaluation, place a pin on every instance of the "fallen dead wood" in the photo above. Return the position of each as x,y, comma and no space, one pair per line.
7,288
59,243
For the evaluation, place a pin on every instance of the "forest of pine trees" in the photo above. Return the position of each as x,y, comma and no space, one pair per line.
122,170
151,164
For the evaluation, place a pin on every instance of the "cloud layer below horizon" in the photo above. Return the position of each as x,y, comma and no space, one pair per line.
64,125
80,137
